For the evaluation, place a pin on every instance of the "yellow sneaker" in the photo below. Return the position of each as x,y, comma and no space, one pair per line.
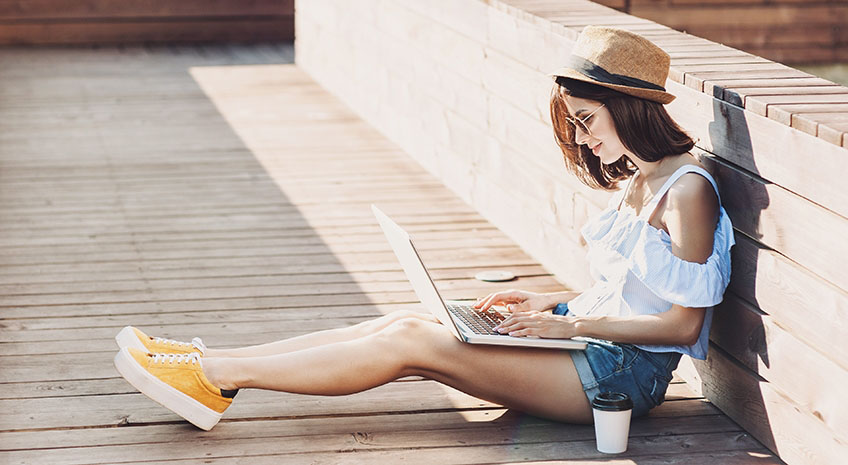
177,382
134,337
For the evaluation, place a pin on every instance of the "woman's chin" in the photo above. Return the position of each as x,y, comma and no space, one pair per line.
607,160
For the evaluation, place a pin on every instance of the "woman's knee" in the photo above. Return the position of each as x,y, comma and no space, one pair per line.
404,329
378,324
417,343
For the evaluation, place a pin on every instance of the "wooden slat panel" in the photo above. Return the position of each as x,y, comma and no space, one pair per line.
782,220
762,146
782,289
812,381
765,412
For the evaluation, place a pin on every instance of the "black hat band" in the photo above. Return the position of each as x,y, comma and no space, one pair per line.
591,70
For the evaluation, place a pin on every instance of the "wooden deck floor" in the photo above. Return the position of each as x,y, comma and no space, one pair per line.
219,192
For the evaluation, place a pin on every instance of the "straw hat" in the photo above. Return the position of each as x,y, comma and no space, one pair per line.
620,60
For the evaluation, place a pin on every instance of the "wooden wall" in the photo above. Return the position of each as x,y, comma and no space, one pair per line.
41,22
787,31
461,86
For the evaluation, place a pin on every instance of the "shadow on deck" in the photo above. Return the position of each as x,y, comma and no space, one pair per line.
219,192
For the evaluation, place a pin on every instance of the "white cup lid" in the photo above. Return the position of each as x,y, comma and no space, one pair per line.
495,275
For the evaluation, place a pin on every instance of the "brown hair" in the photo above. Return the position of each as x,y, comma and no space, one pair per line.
643,126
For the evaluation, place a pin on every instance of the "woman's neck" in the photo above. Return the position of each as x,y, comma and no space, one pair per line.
649,170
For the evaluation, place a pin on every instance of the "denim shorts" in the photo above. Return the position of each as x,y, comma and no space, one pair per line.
612,366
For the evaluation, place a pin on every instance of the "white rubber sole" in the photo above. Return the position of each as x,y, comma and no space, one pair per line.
128,338
193,411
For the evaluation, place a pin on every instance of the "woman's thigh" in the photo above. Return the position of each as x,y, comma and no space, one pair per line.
542,382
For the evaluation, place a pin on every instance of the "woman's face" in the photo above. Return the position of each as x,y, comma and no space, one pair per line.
603,139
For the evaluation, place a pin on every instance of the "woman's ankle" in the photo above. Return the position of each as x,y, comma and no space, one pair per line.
208,353
217,372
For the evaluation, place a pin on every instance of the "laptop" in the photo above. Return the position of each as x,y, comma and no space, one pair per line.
467,323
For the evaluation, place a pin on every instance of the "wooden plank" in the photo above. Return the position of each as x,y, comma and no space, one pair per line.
255,291
738,96
262,29
834,131
177,320
696,78
784,112
233,304
799,55
421,232
716,87
809,122
504,455
774,15
762,104
30,10
244,277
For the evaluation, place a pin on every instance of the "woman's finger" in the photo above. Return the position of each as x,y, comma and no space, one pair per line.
523,332
482,300
499,298
512,323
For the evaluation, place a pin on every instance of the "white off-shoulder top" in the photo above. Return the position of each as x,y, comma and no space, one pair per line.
635,272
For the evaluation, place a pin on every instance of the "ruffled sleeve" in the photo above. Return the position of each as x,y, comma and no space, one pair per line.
681,282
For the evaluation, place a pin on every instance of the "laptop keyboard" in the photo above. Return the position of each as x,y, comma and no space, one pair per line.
481,322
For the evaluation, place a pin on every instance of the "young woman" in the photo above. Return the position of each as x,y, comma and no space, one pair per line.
659,254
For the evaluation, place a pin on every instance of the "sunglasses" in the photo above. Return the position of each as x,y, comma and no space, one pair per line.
582,123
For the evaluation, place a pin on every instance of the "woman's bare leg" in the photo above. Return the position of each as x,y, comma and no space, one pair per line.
319,338
539,381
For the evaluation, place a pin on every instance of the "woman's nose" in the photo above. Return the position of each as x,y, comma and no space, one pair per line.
580,136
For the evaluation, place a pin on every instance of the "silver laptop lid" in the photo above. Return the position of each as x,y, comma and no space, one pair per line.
414,268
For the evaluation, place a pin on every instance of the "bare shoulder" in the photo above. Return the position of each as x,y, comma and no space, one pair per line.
693,192
691,216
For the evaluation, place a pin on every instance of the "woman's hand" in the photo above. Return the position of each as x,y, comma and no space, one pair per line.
516,301
538,324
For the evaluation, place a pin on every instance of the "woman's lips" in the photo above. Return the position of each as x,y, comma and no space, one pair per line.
595,148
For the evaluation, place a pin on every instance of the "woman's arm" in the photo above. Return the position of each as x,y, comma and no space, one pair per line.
525,301
678,326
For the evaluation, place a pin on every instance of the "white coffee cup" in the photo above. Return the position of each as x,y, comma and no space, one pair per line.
612,421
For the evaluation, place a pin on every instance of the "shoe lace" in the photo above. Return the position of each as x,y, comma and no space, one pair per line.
193,358
162,340
195,343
